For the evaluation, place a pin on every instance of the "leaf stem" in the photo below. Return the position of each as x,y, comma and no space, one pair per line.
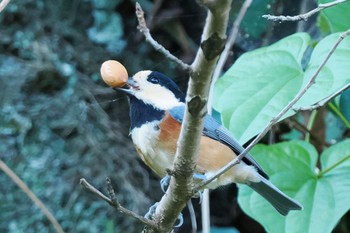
333,166
339,114
310,124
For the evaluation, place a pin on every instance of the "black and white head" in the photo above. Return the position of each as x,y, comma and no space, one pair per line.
154,89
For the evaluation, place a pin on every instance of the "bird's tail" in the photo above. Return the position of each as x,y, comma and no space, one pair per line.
282,203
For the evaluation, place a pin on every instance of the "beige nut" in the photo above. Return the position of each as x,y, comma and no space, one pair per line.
114,73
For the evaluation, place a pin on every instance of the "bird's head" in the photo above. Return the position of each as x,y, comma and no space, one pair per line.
155,89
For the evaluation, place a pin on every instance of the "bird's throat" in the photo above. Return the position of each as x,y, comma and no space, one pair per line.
141,113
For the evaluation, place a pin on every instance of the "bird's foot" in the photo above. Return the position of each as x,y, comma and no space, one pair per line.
152,211
164,183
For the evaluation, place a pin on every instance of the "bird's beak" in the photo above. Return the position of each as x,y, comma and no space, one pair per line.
130,87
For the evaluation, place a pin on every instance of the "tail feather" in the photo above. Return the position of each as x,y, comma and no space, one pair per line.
282,203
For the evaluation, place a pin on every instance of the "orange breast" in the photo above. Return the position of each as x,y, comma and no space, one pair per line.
213,155
169,134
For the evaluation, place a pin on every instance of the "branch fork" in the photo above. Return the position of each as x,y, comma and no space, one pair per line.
305,16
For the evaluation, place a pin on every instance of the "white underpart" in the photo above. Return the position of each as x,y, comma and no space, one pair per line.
241,173
146,139
154,94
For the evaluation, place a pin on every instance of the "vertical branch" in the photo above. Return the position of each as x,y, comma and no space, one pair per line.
212,44
3,4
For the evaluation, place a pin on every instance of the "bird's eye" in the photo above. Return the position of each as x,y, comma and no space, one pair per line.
153,79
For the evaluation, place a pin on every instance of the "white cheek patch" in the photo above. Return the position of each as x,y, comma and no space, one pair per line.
158,96
154,94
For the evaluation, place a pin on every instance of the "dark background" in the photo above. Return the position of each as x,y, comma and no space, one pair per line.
59,122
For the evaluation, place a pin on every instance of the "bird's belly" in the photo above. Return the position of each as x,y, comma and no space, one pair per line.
155,154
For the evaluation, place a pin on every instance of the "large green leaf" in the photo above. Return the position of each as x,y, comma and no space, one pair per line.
334,19
262,82
334,75
292,168
259,84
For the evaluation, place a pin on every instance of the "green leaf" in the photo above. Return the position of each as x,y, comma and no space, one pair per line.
334,75
262,82
292,168
323,24
334,19
259,84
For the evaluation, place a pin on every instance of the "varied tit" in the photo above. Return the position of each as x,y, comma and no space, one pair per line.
156,111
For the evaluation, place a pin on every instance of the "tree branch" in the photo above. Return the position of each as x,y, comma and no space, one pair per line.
303,16
3,4
112,201
324,101
275,119
31,195
144,29
212,44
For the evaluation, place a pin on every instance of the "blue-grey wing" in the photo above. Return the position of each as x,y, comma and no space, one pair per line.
216,131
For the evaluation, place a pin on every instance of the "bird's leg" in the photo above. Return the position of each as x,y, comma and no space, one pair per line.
152,211
199,177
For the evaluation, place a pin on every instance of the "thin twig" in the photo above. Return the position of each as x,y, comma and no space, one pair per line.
276,118
339,114
303,16
31,195
324,101
205,209
111,192
294,123
144,29
114,202
3,4
310,124
192,216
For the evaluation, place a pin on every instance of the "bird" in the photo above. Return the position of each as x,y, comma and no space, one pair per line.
156,110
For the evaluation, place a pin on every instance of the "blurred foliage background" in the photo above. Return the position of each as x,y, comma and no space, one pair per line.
60,123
